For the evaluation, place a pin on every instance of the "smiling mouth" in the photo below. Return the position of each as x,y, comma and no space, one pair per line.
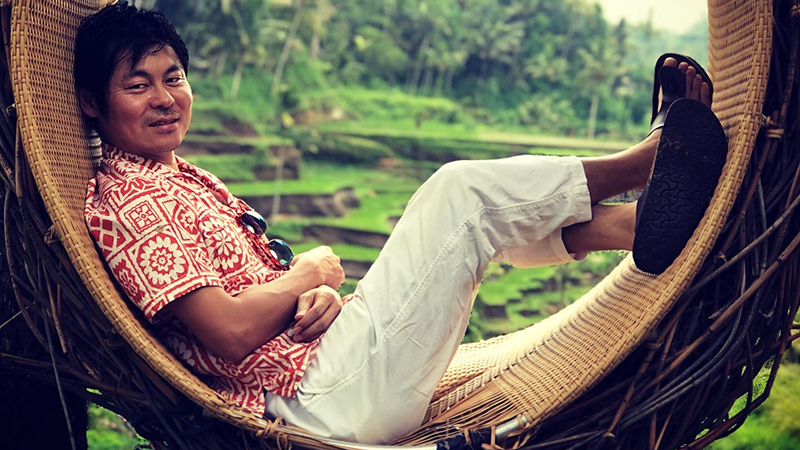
163,122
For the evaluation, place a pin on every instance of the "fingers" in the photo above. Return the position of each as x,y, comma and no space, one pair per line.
304,303
309,308
335,269
316,311
321,325
323,249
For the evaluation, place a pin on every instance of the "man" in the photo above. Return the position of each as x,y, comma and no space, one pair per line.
195,260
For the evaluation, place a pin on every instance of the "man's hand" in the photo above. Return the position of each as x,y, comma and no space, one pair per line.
316,311
320,262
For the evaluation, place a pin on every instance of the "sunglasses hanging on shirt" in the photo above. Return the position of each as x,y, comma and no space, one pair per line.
279,249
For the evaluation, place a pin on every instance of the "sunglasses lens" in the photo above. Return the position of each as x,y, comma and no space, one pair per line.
254,222
281,251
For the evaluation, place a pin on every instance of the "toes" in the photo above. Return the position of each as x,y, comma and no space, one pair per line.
705,94
690,73
696,83
696,88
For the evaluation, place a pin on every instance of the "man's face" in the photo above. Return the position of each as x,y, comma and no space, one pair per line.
149,106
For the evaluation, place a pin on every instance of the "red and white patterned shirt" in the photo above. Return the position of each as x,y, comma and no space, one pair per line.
165,234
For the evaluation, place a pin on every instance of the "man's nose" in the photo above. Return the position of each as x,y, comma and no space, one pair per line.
161,97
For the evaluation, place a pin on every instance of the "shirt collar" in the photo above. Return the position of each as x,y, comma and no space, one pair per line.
111,153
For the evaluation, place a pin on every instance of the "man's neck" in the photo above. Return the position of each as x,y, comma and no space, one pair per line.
170,161
166,159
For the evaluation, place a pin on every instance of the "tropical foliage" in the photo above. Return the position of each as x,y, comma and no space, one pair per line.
549,66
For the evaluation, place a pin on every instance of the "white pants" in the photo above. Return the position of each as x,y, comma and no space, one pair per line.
379,363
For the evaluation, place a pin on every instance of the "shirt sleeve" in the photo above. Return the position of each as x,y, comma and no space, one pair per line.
150,240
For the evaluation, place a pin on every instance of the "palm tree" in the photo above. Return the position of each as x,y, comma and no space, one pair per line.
287,47
600,69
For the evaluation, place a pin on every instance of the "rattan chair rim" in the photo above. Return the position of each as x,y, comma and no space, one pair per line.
467,402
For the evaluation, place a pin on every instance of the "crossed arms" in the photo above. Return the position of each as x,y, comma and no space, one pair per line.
232,327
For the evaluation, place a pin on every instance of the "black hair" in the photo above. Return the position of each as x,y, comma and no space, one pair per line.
114,33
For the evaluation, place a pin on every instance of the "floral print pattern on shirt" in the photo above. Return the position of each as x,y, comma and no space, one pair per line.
164,234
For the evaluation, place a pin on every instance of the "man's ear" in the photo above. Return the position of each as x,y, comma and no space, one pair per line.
88,103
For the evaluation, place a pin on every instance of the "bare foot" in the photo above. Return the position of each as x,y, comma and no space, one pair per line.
696,88
611,228
614,174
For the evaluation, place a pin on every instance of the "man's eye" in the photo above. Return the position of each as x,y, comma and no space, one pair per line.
137,86
174,79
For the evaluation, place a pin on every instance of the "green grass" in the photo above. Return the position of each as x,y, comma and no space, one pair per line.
516,321
107,431
205,121
226,167
432,130
290,230
341,148
317,178
565,142
347,252
382,195
439,144
564,152
373,214
510,285
260,141
255,104
385,105
775,425
531,295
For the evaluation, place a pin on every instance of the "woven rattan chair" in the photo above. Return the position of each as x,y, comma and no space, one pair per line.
639,362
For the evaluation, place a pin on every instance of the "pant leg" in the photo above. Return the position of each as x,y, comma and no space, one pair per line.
380,361
546,252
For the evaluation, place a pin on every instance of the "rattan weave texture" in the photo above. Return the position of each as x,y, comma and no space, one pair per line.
535,373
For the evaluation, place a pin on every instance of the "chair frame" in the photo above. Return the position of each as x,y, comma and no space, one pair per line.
696,336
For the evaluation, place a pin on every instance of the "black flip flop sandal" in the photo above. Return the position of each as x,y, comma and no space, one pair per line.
672,82
689,159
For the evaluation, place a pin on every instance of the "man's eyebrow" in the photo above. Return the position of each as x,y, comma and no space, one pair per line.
136,73
146,74
173,68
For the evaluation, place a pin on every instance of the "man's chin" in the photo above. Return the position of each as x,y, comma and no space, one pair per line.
162,146
155,145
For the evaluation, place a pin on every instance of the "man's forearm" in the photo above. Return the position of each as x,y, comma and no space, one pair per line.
233,327
268,309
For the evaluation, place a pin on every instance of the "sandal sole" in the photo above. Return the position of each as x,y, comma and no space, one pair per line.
691,154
